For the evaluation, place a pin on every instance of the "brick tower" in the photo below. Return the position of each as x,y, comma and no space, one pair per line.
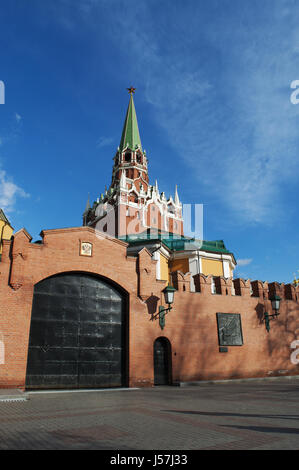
131,205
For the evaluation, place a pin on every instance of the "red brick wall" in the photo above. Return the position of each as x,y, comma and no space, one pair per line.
191,326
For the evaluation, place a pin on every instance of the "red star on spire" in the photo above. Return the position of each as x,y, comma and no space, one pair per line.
131,90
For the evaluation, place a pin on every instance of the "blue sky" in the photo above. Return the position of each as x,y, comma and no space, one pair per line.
213,103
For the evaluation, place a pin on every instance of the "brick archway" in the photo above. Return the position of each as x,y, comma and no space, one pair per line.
78,333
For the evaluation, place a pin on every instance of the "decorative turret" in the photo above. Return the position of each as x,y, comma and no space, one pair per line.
86,212
176,196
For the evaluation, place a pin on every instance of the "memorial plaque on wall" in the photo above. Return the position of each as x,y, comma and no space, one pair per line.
229,329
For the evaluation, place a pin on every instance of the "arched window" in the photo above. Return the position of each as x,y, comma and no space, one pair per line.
138,158
134,198
128,157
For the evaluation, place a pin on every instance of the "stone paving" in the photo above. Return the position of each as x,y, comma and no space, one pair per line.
228,416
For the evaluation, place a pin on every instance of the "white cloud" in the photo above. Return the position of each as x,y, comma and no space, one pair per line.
104,141
18,117
244,262
220,87
237,131
9,191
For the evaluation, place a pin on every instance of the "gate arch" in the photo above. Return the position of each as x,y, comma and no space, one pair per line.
78,333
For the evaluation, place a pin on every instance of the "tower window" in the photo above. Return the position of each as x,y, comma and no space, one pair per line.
138,158
128,157
134,198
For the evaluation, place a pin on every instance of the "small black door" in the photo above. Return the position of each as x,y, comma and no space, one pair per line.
77,335
162,362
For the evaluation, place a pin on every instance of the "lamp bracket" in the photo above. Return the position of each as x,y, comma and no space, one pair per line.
267,319
161,315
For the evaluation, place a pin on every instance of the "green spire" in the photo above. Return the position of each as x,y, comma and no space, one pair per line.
130,134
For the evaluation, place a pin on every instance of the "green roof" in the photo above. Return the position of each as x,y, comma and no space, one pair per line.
176,243
193,244
130,134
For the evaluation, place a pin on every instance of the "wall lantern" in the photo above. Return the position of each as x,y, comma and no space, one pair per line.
275,301
169,298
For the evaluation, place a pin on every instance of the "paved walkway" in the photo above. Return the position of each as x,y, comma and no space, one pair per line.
237,416
12,395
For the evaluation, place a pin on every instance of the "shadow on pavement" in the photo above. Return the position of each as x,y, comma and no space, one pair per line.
240,415
264,429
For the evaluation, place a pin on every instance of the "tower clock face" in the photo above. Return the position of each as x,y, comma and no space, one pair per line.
86,249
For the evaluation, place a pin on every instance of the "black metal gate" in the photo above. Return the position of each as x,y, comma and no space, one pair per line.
162,362
77,335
